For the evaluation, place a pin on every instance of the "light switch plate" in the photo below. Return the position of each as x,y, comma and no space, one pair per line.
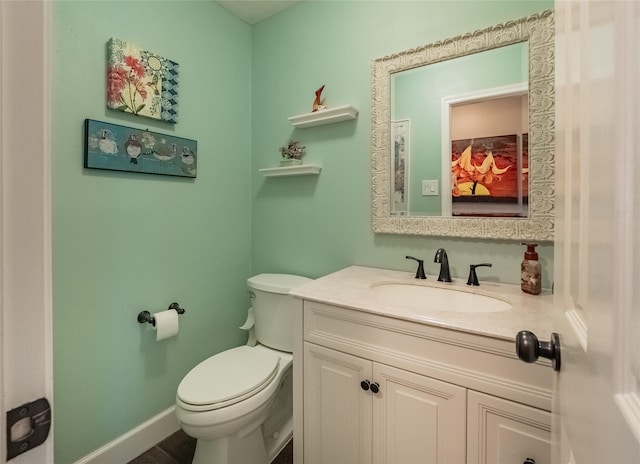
429,187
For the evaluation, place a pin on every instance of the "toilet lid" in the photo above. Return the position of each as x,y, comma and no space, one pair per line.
234,374
276,283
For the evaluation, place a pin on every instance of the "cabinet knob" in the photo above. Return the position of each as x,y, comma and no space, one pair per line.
366,385
528,348
529,461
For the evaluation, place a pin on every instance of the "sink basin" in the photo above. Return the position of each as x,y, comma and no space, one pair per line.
421,298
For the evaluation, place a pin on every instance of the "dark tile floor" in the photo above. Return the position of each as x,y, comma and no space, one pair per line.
179,448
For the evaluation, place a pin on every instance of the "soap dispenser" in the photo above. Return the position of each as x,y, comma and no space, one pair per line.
531,276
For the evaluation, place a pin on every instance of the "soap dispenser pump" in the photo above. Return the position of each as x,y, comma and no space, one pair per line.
531,276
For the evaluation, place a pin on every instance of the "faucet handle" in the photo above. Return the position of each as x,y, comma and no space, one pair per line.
473,277
420,271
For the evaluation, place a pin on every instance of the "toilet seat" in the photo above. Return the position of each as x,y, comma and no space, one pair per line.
227,378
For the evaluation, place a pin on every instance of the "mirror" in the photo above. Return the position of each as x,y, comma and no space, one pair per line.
438,168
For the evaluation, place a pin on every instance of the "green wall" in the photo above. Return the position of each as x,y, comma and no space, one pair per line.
126,242
318,224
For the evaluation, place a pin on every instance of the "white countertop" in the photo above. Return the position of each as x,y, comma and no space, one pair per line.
351,288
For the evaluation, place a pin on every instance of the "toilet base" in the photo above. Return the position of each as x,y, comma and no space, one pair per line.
246,448
227,450
276,445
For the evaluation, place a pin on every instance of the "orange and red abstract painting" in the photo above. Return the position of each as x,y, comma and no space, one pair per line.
490,169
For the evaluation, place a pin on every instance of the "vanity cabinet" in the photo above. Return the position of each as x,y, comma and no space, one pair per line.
440,395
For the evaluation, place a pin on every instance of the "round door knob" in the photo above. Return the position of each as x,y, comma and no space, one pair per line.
375,387
529,348
365,385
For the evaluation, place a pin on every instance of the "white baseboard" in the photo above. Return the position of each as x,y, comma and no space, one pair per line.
136,441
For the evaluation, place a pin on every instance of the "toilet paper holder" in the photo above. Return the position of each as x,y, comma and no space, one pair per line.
145,316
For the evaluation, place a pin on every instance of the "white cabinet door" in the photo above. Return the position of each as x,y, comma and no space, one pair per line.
417,419
337,412
504,432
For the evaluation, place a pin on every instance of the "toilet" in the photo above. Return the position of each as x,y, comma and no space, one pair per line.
238,404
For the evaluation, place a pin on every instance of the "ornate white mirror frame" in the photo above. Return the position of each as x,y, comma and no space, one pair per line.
538,31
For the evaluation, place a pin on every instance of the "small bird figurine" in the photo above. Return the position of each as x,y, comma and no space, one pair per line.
317,103
133,148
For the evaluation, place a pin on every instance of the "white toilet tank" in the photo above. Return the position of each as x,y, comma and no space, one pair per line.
273,308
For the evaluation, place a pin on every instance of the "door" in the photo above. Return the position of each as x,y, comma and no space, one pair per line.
337,412
25,229
417,419
597,245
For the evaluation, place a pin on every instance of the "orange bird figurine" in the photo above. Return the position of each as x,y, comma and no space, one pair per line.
317,104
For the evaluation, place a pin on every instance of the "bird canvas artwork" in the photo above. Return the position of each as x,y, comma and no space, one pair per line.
120,148
141,82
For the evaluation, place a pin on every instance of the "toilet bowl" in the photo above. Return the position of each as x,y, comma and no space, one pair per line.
238,403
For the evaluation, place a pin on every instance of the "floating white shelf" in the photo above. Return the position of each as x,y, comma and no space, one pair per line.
300,170
328,116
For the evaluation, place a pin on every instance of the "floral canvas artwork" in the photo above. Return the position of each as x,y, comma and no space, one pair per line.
141,82
120,148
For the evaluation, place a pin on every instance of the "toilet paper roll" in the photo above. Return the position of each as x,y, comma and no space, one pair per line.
250,322
249,325
166,324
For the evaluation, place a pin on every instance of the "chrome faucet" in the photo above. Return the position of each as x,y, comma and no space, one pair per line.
443,260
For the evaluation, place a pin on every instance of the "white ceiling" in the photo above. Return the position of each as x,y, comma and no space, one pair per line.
255,11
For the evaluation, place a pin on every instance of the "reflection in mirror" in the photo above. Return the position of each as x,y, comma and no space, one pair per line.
462,134
470,97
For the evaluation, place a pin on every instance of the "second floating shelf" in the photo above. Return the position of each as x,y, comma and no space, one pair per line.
300,170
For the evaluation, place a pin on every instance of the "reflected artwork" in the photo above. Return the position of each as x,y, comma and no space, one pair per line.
489,170
400,133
